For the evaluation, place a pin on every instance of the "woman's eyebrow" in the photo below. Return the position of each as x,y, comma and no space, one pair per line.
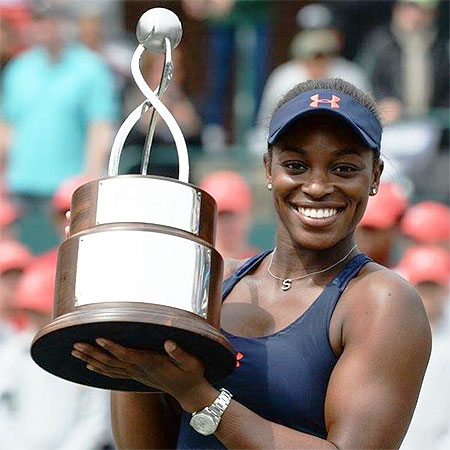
288,148
348,151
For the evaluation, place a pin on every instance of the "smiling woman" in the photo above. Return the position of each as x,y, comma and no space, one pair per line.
332,347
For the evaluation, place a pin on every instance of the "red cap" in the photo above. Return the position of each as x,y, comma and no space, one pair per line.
427,222
386,207
36,287
8,212
13,255
425,263
63,195
229,189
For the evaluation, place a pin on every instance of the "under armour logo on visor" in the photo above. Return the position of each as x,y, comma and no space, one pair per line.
333,102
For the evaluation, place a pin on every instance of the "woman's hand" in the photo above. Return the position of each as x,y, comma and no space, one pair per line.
178,373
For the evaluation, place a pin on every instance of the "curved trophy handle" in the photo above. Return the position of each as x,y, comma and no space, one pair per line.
166,77
158,30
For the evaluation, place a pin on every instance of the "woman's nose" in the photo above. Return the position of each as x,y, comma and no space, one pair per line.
317,185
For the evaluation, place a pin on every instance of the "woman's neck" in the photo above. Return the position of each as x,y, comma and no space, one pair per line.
291,260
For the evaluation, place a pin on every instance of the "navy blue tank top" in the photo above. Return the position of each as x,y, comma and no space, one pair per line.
282,377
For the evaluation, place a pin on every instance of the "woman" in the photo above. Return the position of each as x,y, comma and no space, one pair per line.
332,347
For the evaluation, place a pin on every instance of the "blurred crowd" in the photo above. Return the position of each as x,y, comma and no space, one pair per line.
66,87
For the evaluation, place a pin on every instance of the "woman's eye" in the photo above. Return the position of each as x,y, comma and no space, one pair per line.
294,166
345,169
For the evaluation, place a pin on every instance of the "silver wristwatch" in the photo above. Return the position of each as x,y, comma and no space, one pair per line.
207,420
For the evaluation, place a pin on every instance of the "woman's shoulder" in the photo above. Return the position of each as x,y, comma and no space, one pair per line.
379,293
230,266
379,281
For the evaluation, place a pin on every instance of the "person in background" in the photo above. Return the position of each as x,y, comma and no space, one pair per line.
99,28
236,30
427,222
378,230
58,109
39,411
14,257
234,201
8,39
90,32
427,267
15,18
9,214
175,99
315,54
408,61
62,200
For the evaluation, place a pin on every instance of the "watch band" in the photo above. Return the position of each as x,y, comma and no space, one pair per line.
207,420
220,404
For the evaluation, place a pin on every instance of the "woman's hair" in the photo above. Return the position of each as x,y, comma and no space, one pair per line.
332,83
336,84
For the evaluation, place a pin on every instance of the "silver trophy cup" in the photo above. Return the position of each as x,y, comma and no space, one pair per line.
139,266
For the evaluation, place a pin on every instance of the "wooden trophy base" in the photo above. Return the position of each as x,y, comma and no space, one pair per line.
140,326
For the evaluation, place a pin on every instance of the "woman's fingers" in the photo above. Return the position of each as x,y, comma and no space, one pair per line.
108,373
90,354
183,360
121,353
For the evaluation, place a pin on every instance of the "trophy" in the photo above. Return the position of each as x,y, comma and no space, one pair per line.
139,265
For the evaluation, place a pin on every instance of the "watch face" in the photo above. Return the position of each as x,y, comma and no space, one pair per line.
203,424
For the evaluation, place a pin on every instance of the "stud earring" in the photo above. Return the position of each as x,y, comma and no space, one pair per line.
269,186
374,191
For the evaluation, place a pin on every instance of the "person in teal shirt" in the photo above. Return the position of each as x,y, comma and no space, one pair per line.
59,107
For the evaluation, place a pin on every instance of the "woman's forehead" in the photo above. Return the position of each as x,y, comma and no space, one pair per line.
320,127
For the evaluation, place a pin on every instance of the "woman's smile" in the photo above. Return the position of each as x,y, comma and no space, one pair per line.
321,173
317,216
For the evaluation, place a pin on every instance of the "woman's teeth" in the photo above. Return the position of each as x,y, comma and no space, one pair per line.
318,213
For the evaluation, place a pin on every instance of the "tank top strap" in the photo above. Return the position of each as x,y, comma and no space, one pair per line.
240,273
350,270
332,293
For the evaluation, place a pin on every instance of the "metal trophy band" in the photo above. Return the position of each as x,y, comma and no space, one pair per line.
139,266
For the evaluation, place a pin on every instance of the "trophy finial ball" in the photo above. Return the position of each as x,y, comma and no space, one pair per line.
157,24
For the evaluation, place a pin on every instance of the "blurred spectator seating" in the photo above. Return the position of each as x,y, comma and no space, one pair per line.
14,258
378,233
234,202
408,61
9,214
427,222
315,54
59,101
236,30
39,411
427,267
15,18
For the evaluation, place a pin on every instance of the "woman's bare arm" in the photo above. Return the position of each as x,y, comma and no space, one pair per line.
373,388
370,398
149,421
144,421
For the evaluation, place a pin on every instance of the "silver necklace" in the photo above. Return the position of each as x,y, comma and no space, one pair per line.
287,282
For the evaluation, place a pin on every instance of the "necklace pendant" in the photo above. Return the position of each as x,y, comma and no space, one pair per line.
286,284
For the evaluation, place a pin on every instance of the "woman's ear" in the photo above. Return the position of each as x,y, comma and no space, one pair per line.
267,160
378,166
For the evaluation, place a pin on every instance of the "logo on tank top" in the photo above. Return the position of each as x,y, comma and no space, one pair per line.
333,102
239,356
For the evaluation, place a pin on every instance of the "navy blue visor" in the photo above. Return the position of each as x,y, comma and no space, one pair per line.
354,113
